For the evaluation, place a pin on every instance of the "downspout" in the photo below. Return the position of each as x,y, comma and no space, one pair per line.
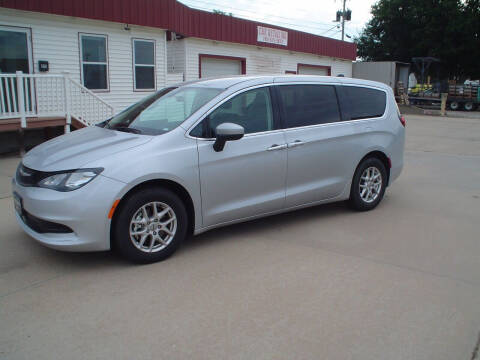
165,61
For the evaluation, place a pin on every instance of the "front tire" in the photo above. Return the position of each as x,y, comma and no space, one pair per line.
368,185
150,225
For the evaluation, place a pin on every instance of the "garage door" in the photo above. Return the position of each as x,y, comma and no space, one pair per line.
312,70
211,67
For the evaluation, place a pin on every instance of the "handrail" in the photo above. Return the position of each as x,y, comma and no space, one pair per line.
90,92
32,75
45,95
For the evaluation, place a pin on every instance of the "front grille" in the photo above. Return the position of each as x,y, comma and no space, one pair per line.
43,226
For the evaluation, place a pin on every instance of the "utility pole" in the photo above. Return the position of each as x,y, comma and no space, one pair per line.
346,15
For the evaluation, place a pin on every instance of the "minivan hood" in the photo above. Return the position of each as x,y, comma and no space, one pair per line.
74,150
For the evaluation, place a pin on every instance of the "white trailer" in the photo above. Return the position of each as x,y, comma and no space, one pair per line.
387,72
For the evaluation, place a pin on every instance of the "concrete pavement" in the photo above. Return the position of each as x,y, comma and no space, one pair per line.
8,166
400,282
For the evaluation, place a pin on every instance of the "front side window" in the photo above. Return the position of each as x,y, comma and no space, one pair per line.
144,64
94,61
251,109
162,111
306,105
364,103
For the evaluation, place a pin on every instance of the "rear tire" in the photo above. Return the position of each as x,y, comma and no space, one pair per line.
454,105
368,185
150,225
468,106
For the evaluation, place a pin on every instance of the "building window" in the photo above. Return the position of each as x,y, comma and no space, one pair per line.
143,64
94,61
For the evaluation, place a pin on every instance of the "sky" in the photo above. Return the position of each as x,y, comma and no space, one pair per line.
313,16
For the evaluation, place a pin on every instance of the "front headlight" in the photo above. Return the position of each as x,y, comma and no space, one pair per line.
69,180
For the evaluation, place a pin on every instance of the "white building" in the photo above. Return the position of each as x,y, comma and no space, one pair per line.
88,59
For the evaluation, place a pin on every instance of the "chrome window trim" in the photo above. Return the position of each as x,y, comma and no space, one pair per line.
246,135
332,83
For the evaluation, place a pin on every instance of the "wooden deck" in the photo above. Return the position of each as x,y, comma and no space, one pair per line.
36,123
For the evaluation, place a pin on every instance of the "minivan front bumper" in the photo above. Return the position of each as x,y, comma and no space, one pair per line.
84,211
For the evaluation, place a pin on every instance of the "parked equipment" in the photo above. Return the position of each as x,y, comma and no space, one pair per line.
460,96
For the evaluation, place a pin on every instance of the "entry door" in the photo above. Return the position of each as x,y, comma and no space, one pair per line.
15,55
319,155
247,178
15,50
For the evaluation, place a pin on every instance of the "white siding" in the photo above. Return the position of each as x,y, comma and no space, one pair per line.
174,78
55,39
176,56
258,60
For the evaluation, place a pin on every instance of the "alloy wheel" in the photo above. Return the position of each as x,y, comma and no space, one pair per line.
370,184
153,227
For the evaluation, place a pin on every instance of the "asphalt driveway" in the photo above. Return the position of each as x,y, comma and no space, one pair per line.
400,282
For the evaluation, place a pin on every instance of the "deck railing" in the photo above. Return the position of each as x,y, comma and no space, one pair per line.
24,96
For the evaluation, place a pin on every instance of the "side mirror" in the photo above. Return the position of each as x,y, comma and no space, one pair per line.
227,132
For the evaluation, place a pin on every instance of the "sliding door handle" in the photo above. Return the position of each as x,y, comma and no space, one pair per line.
277,147
295,143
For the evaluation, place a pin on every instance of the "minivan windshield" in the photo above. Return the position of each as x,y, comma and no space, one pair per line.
162,111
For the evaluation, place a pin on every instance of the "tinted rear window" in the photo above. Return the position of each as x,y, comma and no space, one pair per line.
309,104
364,103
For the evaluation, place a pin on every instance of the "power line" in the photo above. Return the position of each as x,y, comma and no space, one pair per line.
261,20
269,20
318,23
273,22
307,12
333,27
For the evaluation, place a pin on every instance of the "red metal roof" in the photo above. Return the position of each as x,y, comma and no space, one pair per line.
174,16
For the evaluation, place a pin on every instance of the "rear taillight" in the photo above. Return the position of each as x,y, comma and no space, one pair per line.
402,120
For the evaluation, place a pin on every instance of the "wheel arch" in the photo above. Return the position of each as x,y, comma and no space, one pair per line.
171,185
382,157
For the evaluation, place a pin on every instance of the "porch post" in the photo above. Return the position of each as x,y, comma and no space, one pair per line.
66,93
21,99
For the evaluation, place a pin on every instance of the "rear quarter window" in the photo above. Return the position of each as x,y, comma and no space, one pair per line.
363,103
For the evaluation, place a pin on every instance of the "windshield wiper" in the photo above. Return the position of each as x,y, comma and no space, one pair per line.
126,129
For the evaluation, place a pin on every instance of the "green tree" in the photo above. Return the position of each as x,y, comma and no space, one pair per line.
221,12
445,29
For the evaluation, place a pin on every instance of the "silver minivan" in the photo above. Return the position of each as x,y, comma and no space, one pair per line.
210,153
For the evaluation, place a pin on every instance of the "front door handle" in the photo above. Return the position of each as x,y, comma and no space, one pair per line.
277,147
295,143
